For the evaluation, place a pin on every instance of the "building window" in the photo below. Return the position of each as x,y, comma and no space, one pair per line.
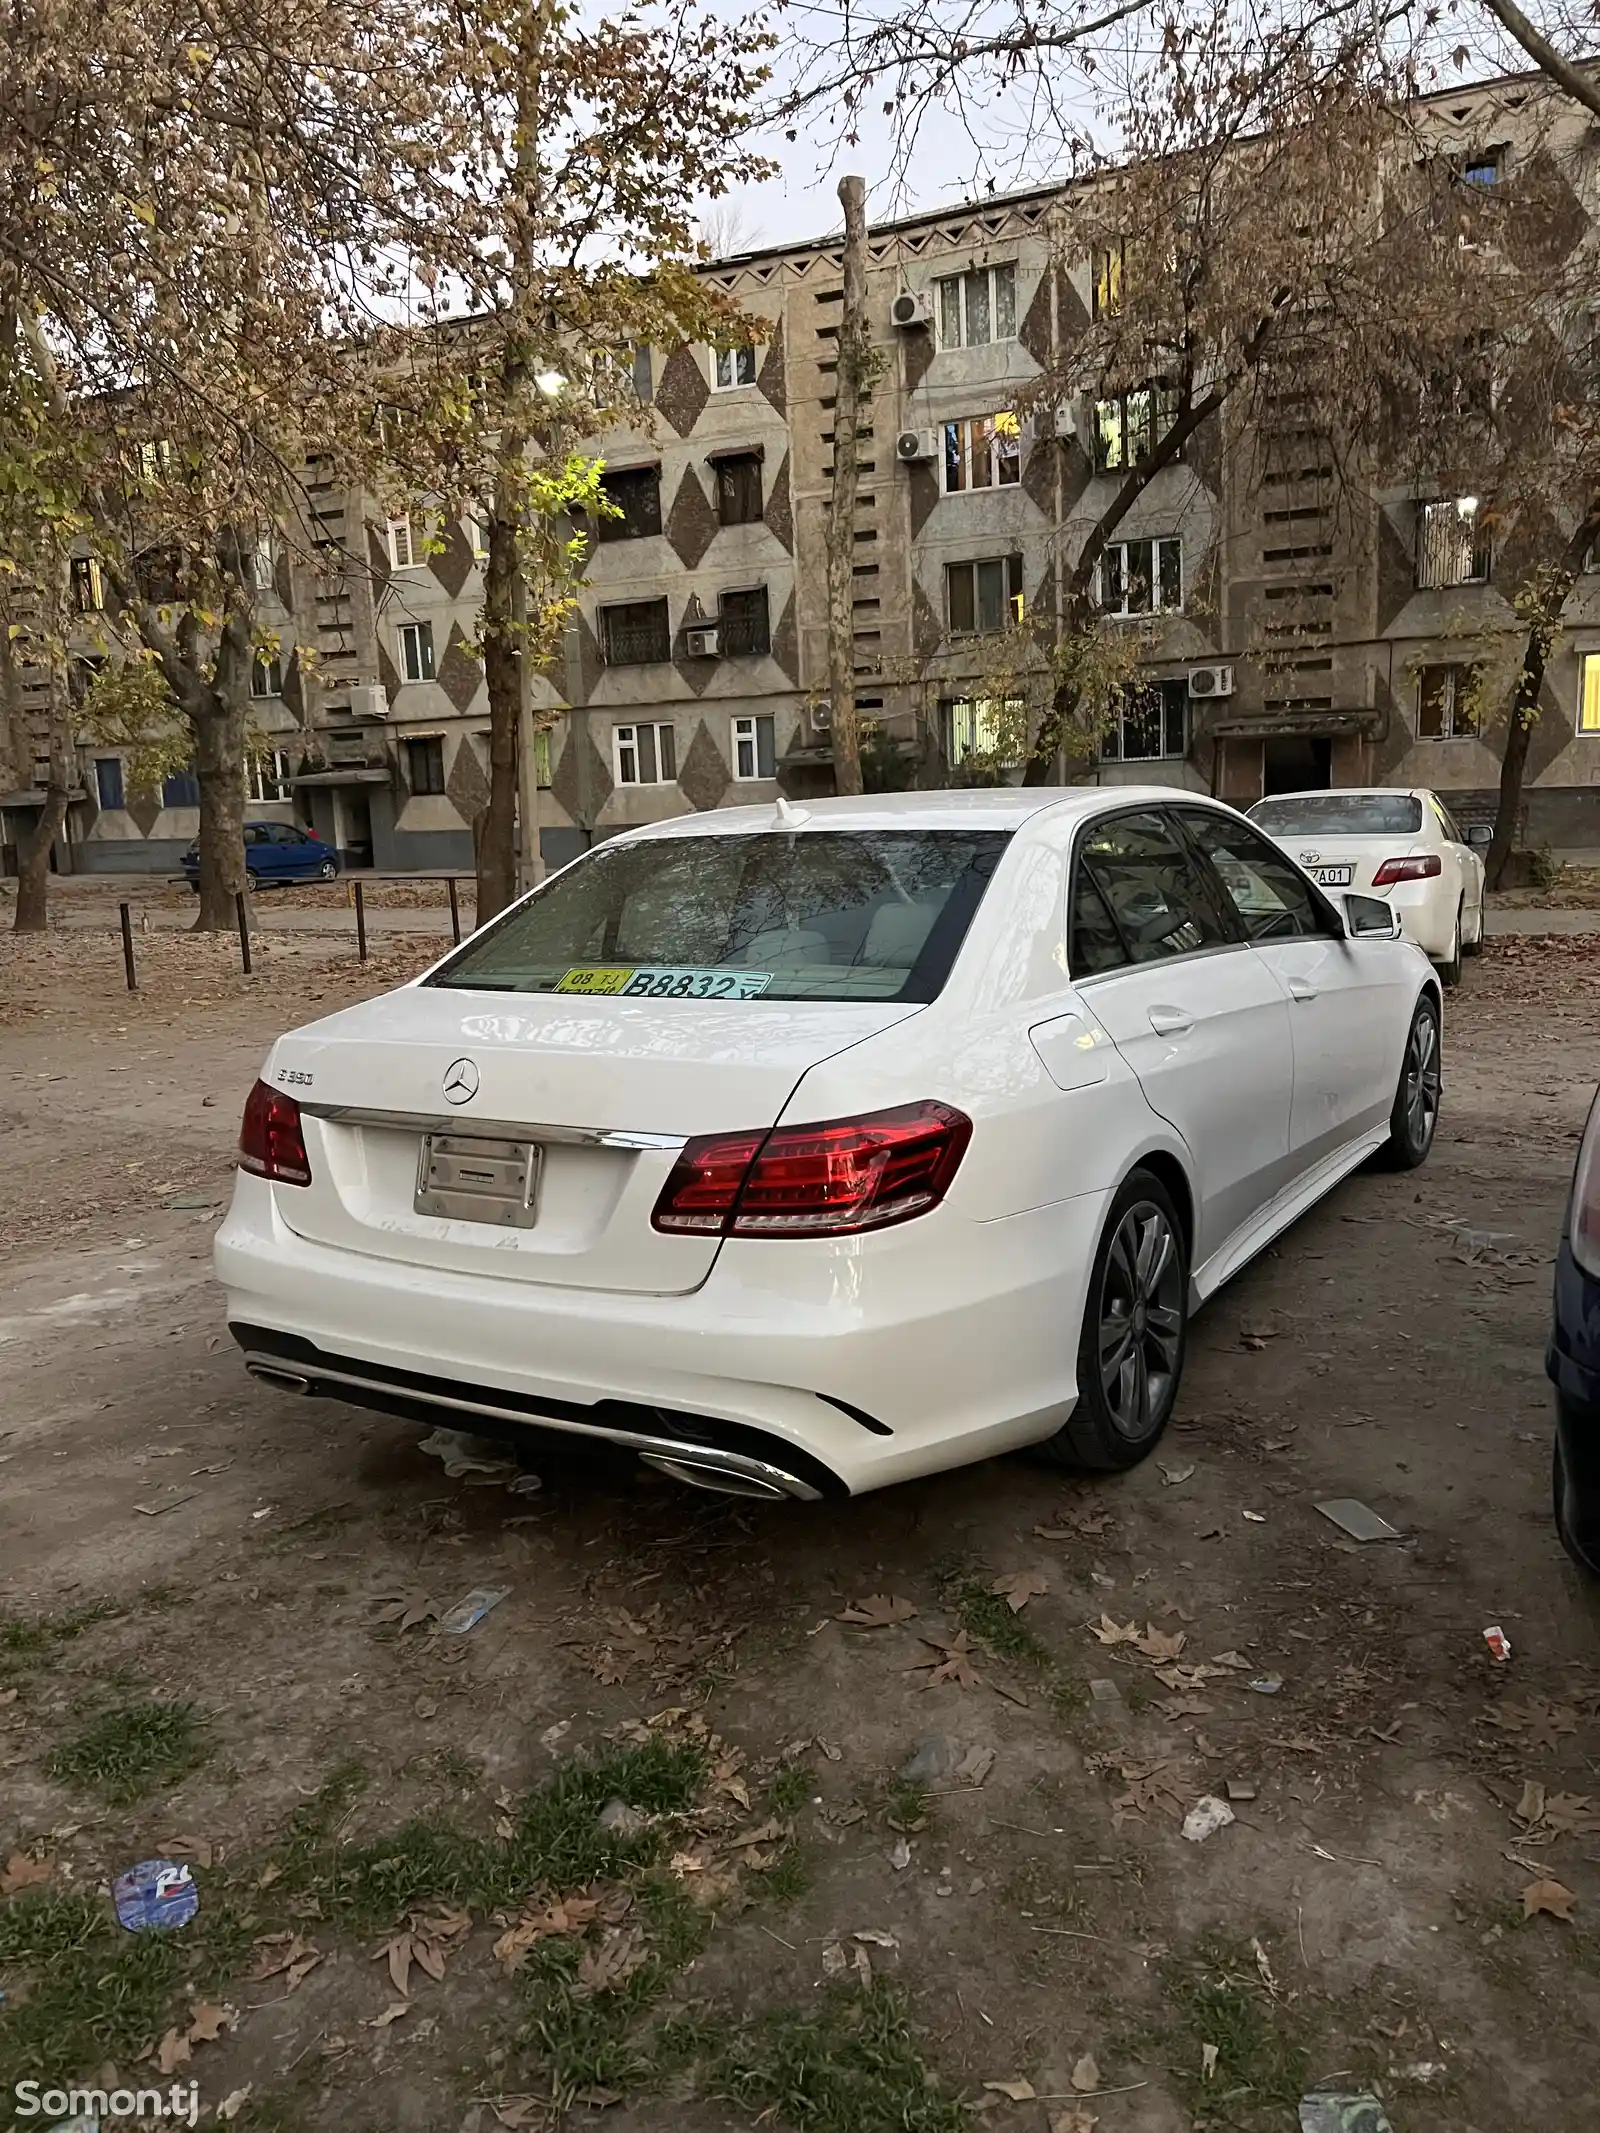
978,307
742,627
635,494
1445,708
983,452
108,781
416,651
266,777
476,529
1451,546
1589,694
645,755
1485,168
983,597
754,750
733,366
182,789
992,728
1129,426
402,545
739,489
87,585
1152,723
266,676
635,634
1142,577
541,757
1106,283
425,763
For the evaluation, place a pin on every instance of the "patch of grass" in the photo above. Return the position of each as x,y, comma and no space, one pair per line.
789,1790
788,1878
908,1805
1218,1997
127,1752
458,1769
851,2065
988,1616
32,1640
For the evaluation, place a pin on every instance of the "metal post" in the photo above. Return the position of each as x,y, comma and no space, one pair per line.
127,947
361,924
455,912
244,931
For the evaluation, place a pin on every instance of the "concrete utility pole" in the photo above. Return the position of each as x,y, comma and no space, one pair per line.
852,376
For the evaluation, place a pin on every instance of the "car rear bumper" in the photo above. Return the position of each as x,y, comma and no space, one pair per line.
839,1367
1427,913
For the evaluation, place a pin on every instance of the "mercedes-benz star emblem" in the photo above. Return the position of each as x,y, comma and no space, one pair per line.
460,1082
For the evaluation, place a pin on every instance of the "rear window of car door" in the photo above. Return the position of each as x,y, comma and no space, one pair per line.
1140,895
1271,898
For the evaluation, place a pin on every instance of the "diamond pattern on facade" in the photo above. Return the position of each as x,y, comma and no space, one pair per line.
778,513
786,642
703,774
683,391
467,784
582,780
691,523
460,675
452,566
922,493
771,381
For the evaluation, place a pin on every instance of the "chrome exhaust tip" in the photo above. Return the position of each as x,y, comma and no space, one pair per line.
705,1474
275,1374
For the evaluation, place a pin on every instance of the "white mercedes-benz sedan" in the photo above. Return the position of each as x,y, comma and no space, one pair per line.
1401,845
802,1150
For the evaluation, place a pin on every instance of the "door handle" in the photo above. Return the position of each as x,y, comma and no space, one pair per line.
1299,989
1170,1021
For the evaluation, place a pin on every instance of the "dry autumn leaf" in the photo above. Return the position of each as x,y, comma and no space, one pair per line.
613,1962
880,1610
1571,1814
1530,1808
1158,1644
1110,1632
390,2015
208,2021
1208,2061
1550,1896
952,1663
571,1915
1073,2121
1018,1587
21,1872
1086,2076
1019,2091
287,1955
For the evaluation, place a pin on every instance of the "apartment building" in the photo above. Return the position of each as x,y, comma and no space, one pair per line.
1286,643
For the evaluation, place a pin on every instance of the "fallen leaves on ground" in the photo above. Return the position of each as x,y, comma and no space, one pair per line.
1553,1897
199,1849
408,1609
1572,1814
1154,1643
952,1661
571,1914
1073,2121
1018,1587
1150,1784
880,1610
1076,1525
1019,2091
207,2022
390,2015
1110,1632
974,1766
287,1955
627,1642
1542,1721
837,1959
427,1940
1085,2075
621,1951
21,1872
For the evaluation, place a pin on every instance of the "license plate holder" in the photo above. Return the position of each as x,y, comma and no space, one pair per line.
467,1177
1332,877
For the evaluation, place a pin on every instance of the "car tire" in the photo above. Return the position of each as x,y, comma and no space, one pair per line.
1449,968
1475,945
252,880
1141,1268
1585,1561
1415,1114
327,871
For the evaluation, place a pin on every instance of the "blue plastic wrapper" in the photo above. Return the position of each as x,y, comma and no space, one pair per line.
155,1895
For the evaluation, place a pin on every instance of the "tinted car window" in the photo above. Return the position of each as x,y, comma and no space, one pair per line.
1096,943
1272,900
820,915
1159,900
255,833
1336,814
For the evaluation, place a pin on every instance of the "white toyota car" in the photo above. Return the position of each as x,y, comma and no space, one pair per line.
1401,845
803,1150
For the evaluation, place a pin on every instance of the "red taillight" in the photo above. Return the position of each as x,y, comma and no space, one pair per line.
810,1181
1421,868
271,1143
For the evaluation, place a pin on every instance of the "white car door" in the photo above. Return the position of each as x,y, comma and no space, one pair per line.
1158,957
1463,863
1349,1000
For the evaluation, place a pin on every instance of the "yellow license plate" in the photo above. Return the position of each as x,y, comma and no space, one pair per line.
596,978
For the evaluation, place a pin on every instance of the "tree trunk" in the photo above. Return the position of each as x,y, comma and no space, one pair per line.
1545,604
219,766
502,661
33,854
850,376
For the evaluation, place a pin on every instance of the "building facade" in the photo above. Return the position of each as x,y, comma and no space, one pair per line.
1286,641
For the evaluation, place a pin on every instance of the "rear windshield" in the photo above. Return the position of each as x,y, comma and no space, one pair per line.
1341,814
816,915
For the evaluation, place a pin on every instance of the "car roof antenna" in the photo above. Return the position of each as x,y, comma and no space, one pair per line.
785,817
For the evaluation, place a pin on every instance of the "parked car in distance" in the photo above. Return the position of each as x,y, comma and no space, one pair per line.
804,1150
1573,1360
1398,844
273,852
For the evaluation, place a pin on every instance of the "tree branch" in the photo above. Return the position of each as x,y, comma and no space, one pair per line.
1538,47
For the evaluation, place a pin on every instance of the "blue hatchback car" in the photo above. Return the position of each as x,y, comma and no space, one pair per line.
274,851
1573,1360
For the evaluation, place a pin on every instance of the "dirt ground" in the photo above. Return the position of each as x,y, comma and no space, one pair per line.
216,1644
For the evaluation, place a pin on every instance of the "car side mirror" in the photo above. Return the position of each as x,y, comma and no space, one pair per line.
1480,836
1369,918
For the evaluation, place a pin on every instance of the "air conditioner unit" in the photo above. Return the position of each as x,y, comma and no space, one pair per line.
1211,681
912,445
822,718
371,701
912,308
701,644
